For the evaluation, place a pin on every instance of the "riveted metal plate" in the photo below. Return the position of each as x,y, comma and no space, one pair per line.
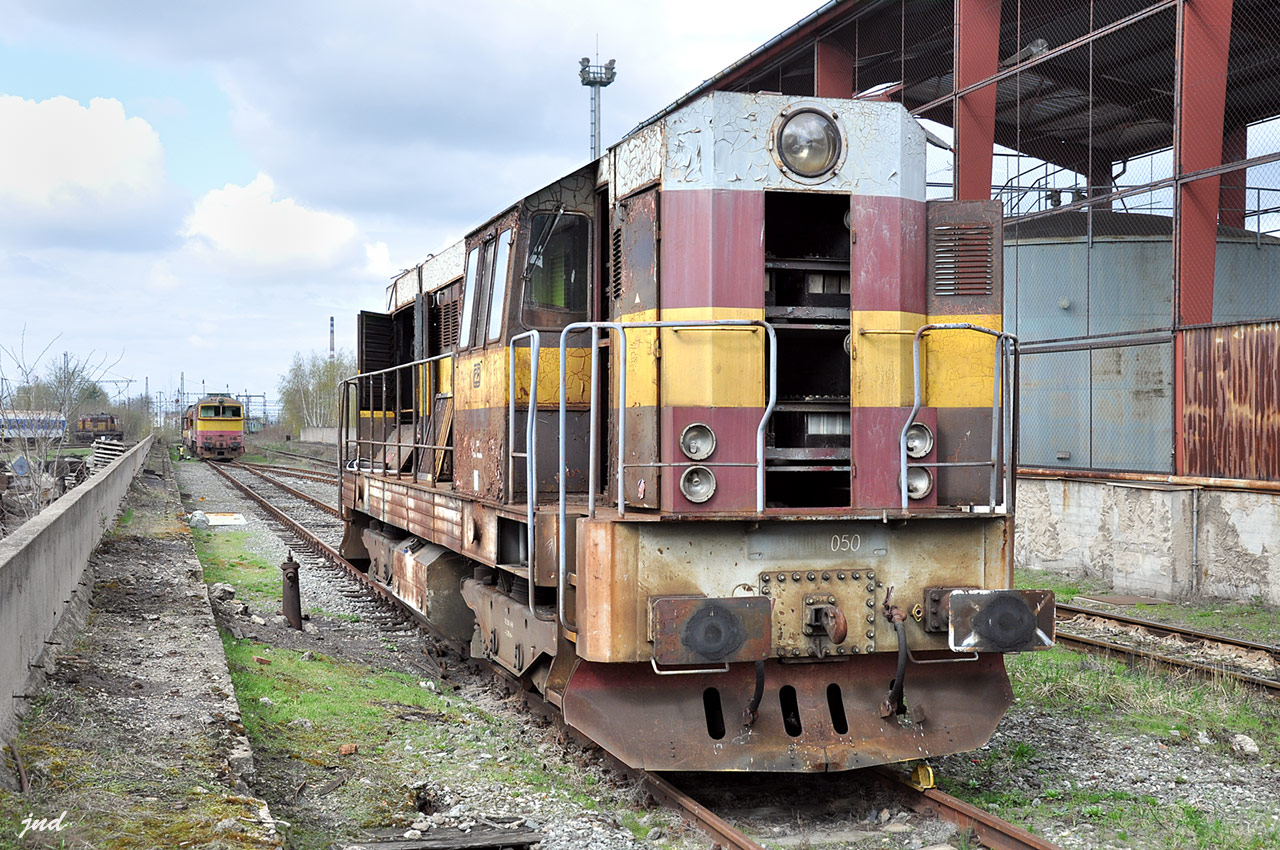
797,594
697,630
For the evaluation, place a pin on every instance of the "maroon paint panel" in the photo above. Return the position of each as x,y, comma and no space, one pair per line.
735,430
876,435
712,249
964,435
888,254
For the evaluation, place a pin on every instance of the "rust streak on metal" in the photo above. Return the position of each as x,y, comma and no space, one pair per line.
991,830
715,826
1232,399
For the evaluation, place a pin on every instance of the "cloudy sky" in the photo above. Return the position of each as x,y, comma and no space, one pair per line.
197,187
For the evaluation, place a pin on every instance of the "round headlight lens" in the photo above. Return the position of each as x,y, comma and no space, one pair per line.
698,484
698,441
919,482
919,440
809,143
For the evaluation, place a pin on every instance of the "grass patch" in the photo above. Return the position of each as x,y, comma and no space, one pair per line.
401,732
1064,588
226,558
1138,696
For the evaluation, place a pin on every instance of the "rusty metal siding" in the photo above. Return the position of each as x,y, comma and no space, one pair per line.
1232,413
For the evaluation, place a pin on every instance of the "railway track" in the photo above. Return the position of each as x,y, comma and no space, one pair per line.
991,831
293,491
320,461
309,474
1255,663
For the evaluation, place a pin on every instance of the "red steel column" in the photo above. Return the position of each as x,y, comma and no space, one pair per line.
833,70
977,57
1232,198
1204,44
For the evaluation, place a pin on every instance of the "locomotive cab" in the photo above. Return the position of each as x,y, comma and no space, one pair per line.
714,440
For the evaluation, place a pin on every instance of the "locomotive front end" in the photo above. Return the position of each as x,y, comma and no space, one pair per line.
711,442
809,564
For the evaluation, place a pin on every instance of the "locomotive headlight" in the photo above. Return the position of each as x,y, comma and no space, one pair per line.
919,440
698,441
919,482
698,484
809,143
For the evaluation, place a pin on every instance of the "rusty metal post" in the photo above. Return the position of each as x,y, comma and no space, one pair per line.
291,603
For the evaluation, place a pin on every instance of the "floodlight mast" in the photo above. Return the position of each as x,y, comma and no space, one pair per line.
596,77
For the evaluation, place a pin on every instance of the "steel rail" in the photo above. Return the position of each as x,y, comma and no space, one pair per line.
698,815
1166,630
319,460
324,550
991,830
297,494
309,474
1134,652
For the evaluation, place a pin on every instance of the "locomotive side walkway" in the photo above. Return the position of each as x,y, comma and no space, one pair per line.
135,741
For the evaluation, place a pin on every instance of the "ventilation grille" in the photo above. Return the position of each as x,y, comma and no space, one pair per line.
448,324
615,266
963,259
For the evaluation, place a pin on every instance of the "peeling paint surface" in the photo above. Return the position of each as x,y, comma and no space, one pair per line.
637,160
722,141
1152,539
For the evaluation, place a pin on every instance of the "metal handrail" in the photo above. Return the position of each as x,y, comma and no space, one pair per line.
621,328
530,454
345,424
1001,415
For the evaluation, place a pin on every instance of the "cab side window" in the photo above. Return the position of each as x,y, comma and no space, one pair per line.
556,272
469,298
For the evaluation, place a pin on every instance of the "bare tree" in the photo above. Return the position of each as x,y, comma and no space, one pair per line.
309,393
47,394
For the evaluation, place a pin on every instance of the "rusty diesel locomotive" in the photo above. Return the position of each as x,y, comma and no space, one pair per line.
213,428
710,442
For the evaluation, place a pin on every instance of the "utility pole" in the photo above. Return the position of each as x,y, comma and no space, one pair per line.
596,77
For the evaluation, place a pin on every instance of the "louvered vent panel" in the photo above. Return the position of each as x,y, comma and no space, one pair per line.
449,324
615,265
964,259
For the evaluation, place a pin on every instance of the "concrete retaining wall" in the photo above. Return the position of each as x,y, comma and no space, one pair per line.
1168,541
319,435
41,565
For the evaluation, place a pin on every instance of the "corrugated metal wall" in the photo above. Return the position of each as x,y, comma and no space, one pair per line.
1233,401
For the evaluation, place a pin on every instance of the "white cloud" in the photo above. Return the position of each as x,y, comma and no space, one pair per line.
378,259
58,152
249,223
82,175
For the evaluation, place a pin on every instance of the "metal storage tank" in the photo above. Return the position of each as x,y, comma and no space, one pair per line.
1089,296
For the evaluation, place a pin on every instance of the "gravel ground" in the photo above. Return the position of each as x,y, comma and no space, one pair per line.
1060,760
566,820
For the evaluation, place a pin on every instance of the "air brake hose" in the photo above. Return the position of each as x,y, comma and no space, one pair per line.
893,702
753,707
